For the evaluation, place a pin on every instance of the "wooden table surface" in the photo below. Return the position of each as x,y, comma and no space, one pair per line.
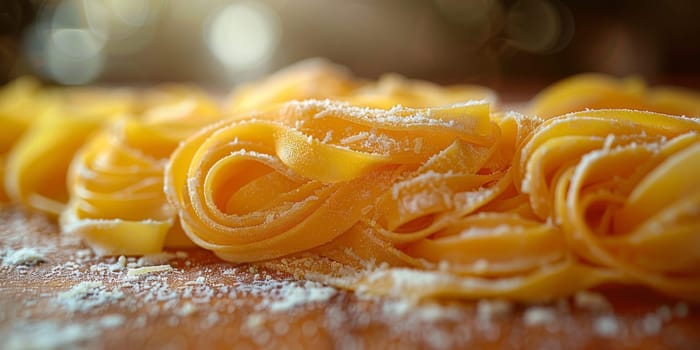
204,302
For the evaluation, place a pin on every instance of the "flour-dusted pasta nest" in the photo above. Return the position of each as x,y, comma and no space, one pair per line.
394,187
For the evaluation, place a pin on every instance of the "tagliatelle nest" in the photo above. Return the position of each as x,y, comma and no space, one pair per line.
395,187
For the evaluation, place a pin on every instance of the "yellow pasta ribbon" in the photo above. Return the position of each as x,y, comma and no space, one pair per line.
319,79
621,184
21,102
392,89
599,91
315,185
117,201
309,79
37,165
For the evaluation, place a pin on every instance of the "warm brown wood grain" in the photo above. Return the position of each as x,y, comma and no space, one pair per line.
29,309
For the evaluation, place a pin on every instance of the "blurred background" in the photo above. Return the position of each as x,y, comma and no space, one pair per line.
220,43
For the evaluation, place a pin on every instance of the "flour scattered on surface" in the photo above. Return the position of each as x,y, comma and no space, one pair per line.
86,296
539,316
254,321
488,309
186,309
204,294
112,321
48,335
23,256
606,326
53,335
420,312
651,324
296,295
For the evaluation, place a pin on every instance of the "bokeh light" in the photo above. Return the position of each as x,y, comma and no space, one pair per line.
538,26
74,56
62,49
133,13
243,35
225,42
127,25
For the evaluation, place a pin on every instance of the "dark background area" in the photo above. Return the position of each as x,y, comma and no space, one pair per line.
223,42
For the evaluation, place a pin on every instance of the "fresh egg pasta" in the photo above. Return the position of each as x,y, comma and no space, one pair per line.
389,187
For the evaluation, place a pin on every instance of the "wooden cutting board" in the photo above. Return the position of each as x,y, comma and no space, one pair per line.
74,299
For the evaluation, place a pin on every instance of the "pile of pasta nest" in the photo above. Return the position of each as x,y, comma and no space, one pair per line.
389,187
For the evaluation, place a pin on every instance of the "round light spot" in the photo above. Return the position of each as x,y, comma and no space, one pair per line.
243,35
75,43
73,56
